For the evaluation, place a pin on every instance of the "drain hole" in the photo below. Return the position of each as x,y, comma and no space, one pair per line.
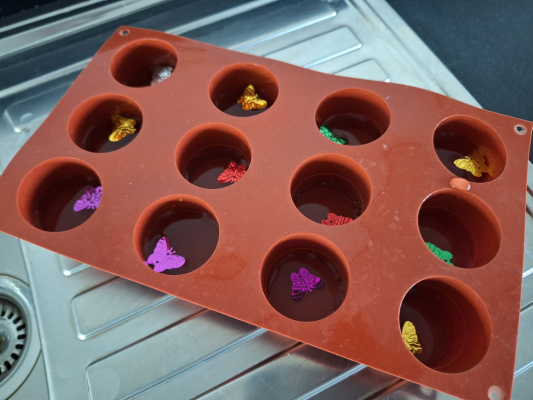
13,335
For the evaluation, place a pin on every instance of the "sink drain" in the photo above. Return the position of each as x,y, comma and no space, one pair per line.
19,341
12,336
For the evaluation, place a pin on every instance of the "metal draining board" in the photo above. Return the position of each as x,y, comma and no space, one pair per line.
107,338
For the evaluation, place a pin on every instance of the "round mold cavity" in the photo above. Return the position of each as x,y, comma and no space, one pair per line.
48,192
358,115
322,259
460,223
190,226
134,65
90,125
229,84
458,136
330,183
452,324
205,152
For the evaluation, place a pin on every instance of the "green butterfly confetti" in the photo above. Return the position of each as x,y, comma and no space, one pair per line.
445,256
328,133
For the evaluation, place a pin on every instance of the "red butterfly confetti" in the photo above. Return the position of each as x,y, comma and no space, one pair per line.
334,219
233,173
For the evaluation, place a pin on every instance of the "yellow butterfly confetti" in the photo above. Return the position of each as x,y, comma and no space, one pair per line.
474,163
250,100
410,338
122,127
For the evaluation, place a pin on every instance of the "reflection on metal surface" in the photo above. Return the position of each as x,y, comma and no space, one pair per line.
69,26
302,373
274,20
524,357
206,347
69,266
319,49
368,69
119,339
114,302
411,391
30,113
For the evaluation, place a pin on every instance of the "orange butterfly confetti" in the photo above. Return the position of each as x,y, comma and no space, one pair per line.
122,127
250,100
410,338
474,163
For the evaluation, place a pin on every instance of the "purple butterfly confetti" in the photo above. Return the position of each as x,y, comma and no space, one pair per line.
164,257
304,282
90,199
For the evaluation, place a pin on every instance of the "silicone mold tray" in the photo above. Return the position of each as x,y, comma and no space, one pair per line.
395,177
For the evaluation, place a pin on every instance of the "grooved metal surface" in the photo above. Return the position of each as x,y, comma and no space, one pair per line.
106,338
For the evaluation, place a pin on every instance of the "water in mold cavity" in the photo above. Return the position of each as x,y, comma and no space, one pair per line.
315,305
433,312
321,194
448,232
237,111
192,233
450,147
227,102
96,138
357,128
206,165
54,211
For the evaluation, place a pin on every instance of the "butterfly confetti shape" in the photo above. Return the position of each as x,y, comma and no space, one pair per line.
250,100
90,200
160,74
164,257
474,163
329,134
122,127
445,256
410,338
334,219
233,173
304,282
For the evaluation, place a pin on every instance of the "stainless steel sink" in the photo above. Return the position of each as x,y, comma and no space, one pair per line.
102,337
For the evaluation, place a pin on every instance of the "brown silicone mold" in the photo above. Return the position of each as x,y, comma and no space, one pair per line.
395,178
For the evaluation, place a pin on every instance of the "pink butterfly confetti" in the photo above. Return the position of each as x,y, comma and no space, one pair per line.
304,282
90,199
334,219
233,173
164,257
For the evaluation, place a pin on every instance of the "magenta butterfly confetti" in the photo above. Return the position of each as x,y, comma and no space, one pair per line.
90,199
334,219
164,257
233,173
304,282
